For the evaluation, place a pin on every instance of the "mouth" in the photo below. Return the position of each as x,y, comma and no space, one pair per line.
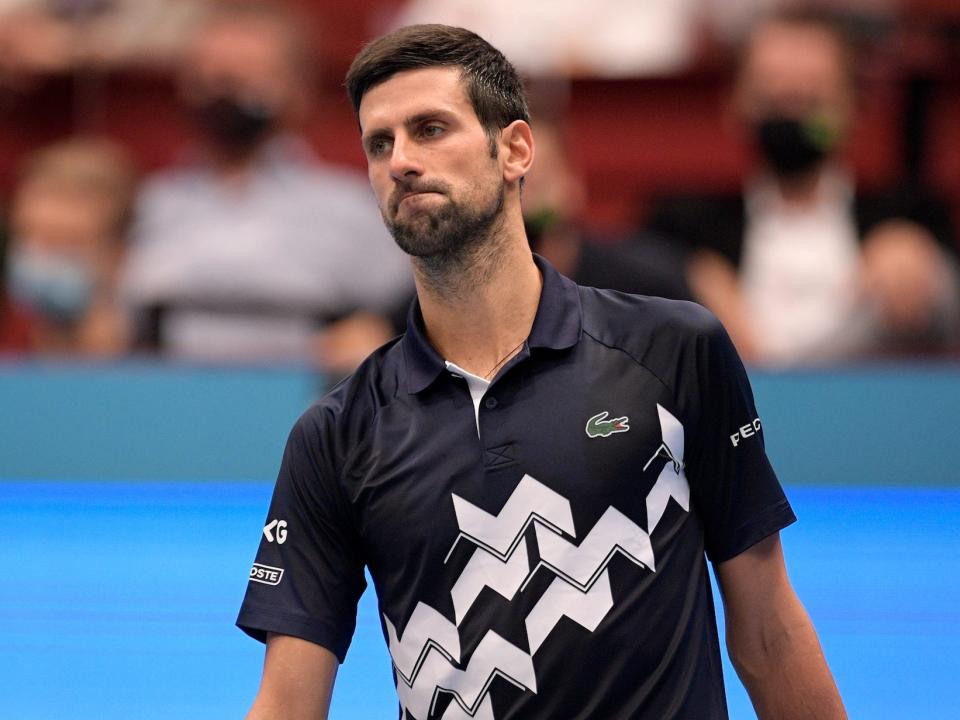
414,196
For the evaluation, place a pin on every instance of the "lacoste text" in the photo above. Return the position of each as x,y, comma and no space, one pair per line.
266,574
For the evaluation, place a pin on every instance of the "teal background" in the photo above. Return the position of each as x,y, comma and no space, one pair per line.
882,425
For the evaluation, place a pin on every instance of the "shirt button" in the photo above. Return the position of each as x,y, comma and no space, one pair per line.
490,403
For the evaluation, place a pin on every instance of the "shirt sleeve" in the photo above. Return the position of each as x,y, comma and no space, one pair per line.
733,486
308,575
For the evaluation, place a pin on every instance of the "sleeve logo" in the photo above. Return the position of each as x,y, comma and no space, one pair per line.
266,574
748,430
281,534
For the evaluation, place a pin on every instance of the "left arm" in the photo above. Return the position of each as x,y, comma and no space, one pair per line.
771,640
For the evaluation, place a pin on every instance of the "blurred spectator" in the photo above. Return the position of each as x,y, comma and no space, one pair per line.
553,203
802,267
44,36
67,221
14,322
252,247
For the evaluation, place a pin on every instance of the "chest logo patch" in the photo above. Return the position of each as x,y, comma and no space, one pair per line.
600,426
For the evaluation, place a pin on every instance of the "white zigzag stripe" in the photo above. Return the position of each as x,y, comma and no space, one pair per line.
500,534
426,629
486,570
562,599
493,657
484,711
672,481
580,565
670,484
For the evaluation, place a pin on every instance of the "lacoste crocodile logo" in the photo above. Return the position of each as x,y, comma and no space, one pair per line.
599,426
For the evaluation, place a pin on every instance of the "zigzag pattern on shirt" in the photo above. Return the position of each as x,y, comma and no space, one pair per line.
426,658
434,672
672,481
486,570
426,630
581,565
531,502
561,599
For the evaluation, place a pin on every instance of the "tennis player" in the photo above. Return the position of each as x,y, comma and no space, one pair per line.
536,474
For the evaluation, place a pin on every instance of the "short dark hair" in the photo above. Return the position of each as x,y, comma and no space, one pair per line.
492,83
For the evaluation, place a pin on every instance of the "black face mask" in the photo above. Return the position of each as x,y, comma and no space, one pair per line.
792,146
234,126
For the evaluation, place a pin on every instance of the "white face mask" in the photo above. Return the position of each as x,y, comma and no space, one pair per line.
56,287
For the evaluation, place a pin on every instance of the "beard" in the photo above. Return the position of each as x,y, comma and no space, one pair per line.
448,233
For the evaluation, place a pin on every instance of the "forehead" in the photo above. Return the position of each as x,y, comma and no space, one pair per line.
790,56
414,92
239,44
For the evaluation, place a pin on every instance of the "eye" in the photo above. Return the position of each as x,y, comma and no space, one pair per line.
377,146
432,130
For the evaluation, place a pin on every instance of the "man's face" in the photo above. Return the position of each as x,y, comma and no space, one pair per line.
437,178
794,71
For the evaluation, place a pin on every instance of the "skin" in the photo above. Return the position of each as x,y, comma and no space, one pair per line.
419,129
772,642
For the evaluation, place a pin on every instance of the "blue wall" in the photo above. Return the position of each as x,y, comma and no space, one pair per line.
882,425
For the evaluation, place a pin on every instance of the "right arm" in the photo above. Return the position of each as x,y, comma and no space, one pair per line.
297,681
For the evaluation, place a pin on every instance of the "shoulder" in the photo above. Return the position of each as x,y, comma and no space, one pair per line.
626,319
667,337
343,417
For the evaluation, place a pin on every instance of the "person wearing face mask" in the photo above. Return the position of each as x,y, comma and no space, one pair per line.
803,267
251,249
67,223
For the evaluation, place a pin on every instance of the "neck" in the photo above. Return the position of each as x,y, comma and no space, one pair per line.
478,309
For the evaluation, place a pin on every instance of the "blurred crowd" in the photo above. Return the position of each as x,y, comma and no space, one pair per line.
253,247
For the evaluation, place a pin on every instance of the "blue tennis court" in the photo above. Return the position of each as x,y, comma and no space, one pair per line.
119,598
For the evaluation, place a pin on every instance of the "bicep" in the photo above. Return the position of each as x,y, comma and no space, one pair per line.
297,680
760,606
753,578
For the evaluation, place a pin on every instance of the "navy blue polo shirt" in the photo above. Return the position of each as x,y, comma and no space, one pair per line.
547,559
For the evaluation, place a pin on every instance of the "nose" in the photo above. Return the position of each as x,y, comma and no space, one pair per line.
404,160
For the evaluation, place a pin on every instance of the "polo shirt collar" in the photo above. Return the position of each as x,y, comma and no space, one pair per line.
557,325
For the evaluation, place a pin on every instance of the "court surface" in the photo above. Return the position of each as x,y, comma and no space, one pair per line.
118,601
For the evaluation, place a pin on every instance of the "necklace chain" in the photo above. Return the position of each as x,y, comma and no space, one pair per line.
510,353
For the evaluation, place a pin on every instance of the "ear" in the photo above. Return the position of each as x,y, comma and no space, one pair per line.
516,150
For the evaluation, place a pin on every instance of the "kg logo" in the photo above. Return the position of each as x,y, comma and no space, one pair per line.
281,534
599,426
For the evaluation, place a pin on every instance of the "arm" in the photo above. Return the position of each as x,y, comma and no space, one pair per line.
297,681
771,640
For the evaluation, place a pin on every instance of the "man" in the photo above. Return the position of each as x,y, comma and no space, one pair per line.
801,267
533,472
252,250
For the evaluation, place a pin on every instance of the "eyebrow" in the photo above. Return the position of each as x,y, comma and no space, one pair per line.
410,121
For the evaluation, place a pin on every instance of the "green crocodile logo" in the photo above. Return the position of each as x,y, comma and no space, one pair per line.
599,426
